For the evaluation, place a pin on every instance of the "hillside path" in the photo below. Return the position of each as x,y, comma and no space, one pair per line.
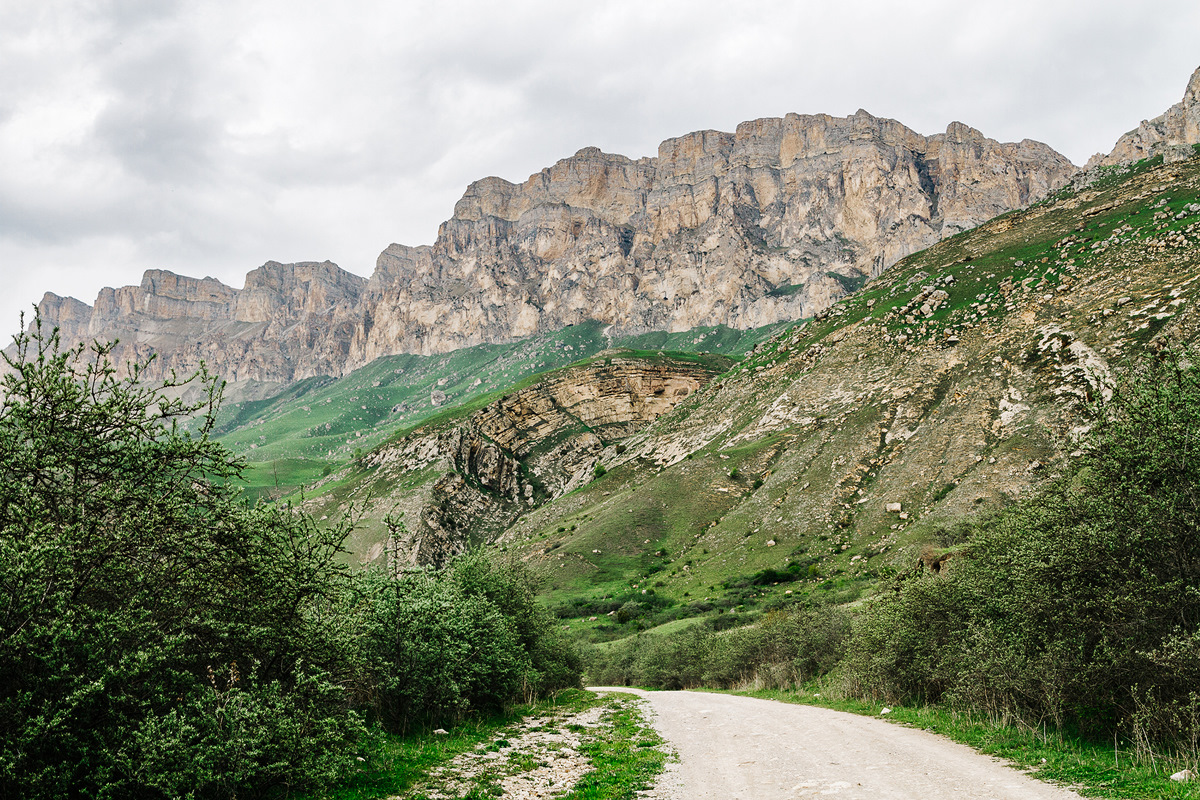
743,748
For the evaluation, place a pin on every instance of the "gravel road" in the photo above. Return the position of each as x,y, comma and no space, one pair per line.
742,748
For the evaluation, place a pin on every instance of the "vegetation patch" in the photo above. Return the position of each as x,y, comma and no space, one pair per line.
163,637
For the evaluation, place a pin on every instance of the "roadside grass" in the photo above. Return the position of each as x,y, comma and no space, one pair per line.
626,752
397,763
1092,769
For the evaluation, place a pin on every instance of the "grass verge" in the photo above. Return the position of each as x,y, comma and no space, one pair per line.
397,763
1089,768
626,754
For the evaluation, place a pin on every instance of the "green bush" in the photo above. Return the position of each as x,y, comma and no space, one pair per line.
470,638
158,637
784,649
1079,606
435,652
511,587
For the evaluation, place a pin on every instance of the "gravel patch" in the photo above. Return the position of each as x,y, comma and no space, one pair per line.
539,758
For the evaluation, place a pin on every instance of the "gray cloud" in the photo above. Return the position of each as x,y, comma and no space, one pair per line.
208,138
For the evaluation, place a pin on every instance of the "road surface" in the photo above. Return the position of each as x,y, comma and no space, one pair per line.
742,748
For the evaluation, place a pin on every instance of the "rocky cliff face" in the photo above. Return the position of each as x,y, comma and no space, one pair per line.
954,384
1171,135
466,480
291,321
957,382
772,222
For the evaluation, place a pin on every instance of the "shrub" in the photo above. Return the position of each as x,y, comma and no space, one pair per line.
161,638
630,611
435,652
466,639
1078,605
158,636
510,586
785,648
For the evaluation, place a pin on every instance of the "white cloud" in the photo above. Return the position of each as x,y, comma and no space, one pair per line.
207,138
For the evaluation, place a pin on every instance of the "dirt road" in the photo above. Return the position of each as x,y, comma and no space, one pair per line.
741,748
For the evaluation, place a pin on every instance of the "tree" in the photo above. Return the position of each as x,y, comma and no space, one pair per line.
1081,604
159,637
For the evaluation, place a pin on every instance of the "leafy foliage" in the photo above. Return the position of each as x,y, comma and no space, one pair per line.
160,637
157,636
439,644
785,649
1080,606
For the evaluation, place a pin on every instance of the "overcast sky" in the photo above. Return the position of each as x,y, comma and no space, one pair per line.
209,137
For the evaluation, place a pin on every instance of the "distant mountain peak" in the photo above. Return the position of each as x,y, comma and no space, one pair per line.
1171,134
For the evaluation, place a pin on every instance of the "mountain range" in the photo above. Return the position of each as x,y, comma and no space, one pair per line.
805,351
951,385
771,223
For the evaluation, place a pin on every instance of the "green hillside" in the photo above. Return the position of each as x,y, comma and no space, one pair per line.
316,425
954,384
884,404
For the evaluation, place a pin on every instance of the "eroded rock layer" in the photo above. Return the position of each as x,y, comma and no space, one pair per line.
466,479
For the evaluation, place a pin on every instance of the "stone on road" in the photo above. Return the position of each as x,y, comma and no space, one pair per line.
743,748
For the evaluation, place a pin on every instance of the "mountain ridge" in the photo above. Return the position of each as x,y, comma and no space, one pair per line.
769,223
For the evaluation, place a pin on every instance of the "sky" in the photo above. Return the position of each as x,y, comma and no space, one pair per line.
207,138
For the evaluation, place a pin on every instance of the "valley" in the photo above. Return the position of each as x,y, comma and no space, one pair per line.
847,449
825,459
820,407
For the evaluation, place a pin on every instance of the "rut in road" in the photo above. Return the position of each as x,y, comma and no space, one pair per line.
743,748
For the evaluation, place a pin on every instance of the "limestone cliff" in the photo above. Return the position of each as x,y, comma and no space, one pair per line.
959,381
290,321
1171,134
774,221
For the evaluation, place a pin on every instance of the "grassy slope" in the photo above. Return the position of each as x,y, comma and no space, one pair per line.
377,488
702,536
317,425
696,535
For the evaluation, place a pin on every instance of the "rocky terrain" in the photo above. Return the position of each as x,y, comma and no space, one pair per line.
1170,135
289,322
847,448
464,478
772,222
843,449
958,381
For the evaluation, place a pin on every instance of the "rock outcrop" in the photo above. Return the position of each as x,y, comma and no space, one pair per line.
291,321
1171,135
772,222
482,471
958,382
